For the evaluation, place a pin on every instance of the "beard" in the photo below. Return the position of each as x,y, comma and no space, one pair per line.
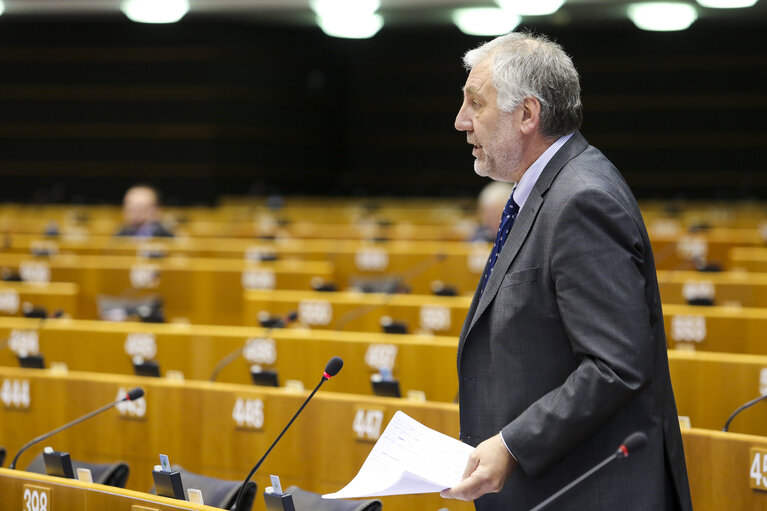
500,156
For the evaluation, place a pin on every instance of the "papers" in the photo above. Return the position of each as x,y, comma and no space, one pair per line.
408,458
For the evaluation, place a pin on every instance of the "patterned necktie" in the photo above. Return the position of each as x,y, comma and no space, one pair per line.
507,220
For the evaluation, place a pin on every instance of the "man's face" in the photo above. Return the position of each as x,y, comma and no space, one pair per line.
493,133
139,207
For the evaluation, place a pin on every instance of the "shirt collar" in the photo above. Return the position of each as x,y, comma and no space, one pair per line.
526,183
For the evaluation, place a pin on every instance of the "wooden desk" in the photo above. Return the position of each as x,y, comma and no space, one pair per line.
52,296
708,387
18,487
219,430
721,329
718,467
362,312
296,354
751,259
679,251
734,288
207,291
183,421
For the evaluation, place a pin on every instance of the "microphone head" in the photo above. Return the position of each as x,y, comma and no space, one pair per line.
334,365
633,443
134,394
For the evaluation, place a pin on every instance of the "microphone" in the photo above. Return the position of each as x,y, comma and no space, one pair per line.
740,409
633,443
132,395
331,369
231,357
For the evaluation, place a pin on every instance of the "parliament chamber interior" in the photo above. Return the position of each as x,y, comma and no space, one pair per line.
311,199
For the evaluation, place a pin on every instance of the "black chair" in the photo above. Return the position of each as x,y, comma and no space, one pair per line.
110,474
218,493
2,456
308,501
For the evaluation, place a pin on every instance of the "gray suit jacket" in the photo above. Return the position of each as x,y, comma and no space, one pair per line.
565,351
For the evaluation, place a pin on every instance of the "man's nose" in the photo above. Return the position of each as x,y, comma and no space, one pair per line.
462,121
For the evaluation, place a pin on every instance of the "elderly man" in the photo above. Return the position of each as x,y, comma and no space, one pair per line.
563,351
141,213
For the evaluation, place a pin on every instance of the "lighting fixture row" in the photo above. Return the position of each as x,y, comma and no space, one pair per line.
357,19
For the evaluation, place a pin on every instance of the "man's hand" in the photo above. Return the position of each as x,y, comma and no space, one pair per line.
489,465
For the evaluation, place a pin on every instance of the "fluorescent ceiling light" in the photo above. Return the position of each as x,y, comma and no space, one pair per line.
531,7
351,27
155,11
662,16
727,4
485,21
339,8
2,7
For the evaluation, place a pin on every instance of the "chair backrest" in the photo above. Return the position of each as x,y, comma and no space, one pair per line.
308,501
219,493
2,456
111,474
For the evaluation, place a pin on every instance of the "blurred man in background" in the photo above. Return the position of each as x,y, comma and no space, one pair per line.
141,213
490,204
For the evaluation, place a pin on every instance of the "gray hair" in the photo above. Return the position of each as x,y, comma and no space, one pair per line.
530,65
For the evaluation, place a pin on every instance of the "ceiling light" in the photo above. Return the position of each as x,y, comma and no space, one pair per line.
351,27
339,8
485,21
531,7
155,11
662,16
2,7
727,4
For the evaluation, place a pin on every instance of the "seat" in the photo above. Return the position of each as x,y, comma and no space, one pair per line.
110,474
219,493
308,501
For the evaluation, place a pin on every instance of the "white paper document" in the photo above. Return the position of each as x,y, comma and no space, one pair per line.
408,458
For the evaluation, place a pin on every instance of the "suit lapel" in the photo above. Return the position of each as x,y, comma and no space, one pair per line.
522,227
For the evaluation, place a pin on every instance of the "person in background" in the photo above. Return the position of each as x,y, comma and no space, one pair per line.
490,204
141,213
563,352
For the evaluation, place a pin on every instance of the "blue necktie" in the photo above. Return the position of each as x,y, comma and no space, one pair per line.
507,220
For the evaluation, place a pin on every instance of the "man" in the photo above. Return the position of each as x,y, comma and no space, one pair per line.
563,352
141,213
490,204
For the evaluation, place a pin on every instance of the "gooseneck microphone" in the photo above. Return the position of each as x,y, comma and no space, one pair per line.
331,369
740,409
131,396
231,357
633,443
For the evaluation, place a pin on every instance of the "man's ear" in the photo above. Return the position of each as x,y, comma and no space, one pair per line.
531,115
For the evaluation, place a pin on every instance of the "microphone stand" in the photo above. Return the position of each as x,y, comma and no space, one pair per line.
241,493
740,409
42,437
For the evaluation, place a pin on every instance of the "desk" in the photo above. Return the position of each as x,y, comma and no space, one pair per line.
52,296
73,495
194,423
207,291
679,251
722,329
297,354
219,430
751,259
718,467
730,288
362,312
